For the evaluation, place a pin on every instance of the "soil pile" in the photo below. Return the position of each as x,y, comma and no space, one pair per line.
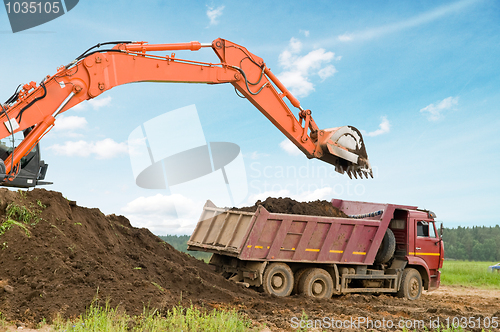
290,206
58,261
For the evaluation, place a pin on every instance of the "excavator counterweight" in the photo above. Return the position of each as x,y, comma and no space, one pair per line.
34,108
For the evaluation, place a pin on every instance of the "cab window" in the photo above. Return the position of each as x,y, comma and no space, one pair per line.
425,229
432,230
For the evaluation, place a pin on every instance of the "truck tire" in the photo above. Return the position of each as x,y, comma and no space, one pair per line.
278,279
411,285
316,283
296,278
387,248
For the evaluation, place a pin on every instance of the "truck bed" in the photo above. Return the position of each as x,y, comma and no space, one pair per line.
265,236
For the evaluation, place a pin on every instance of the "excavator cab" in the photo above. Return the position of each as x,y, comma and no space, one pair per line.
33,169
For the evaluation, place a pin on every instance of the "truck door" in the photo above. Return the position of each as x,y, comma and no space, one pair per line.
427,244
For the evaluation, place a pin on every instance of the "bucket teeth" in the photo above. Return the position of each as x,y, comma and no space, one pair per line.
344,147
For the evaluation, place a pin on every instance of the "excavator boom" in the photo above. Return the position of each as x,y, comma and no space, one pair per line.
34,108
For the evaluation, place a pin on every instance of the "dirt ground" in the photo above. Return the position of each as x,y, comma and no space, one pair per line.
447,305
72,254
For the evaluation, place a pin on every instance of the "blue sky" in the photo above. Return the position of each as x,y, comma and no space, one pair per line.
421,79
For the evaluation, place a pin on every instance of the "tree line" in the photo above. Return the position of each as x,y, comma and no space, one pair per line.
477,243
179,242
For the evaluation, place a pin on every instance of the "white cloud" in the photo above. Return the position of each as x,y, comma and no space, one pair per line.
214,13
70,122
98,103
300,68
326,72
320,193
383,128
95,103
411,22
305,32
290,148
345,37
159,213
104,149
435,112
263,195
256,155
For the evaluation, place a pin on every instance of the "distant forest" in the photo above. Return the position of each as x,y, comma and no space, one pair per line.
478,243
179,242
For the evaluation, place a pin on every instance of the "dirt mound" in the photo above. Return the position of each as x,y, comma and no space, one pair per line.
57,261
288,205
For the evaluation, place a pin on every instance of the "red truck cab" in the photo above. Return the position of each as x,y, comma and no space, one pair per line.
425,247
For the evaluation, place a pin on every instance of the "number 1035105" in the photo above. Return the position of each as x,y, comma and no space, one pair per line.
33,7
471,322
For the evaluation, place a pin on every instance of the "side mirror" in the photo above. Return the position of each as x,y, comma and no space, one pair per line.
441,230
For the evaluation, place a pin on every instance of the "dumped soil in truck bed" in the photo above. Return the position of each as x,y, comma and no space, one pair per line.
60,260
291,206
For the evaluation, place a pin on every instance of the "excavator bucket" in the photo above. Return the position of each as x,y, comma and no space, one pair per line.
344,148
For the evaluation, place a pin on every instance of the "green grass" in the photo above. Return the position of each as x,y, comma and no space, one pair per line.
9,223
472,274
179,319
21,216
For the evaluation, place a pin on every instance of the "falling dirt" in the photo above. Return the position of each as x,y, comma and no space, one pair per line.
60,262
290,206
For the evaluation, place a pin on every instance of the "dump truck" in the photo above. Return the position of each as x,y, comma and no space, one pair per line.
377,248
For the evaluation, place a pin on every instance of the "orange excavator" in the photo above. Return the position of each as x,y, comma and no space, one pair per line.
33,108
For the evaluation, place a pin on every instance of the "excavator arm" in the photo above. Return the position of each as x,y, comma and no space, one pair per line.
35,108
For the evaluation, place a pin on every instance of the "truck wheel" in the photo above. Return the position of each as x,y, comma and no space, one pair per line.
316,283
411,285
278,279
296,278
387,248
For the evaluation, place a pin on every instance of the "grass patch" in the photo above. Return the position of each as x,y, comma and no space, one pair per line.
9,223
106,319
473,274
21,216
159,287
